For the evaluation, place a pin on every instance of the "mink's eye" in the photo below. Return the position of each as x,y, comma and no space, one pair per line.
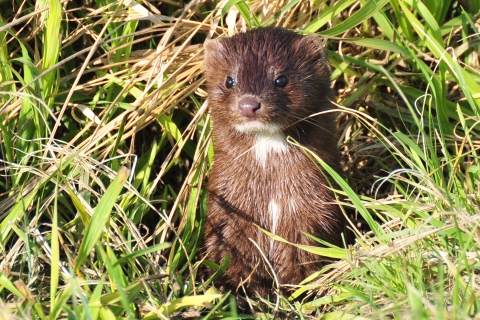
281,81
229,83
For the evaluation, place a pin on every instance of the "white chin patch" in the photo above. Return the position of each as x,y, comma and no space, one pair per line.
257,127
268,139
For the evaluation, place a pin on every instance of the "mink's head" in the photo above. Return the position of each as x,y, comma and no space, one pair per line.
266,80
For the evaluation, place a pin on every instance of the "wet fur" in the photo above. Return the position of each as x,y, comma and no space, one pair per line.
270,184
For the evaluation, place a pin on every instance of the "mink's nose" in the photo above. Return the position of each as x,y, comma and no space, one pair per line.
248,107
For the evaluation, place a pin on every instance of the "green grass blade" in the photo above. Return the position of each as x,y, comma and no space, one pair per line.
51,50
180,303
17,212
139,253
328,14
7,284
100,216
55,262
334,253
366,11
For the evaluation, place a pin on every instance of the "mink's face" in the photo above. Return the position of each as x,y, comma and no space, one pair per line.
266,80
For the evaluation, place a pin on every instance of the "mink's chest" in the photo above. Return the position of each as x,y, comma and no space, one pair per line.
272,185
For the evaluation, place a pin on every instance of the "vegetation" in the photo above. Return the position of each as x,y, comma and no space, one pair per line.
106,145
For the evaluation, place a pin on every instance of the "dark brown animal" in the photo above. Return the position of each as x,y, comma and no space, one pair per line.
263,86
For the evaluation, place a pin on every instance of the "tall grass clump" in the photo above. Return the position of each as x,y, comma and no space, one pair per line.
106,147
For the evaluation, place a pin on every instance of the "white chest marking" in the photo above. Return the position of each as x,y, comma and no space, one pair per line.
274,212
268,139
265,144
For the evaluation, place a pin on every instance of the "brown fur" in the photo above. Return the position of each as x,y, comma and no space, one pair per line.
241,189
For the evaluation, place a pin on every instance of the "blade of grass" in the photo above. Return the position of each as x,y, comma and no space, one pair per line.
366,11
100,216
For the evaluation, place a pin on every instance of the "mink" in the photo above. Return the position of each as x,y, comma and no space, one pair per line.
266,85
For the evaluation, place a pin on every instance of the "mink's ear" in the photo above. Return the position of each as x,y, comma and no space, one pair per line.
314,45
313,42
212,46
213,53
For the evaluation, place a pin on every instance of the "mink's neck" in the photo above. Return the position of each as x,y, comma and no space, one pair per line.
311,134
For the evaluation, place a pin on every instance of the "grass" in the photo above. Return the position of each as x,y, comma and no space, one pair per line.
105,147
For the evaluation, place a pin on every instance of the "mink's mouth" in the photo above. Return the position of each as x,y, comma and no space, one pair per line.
255,126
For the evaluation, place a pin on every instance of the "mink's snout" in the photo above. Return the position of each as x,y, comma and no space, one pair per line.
249,107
